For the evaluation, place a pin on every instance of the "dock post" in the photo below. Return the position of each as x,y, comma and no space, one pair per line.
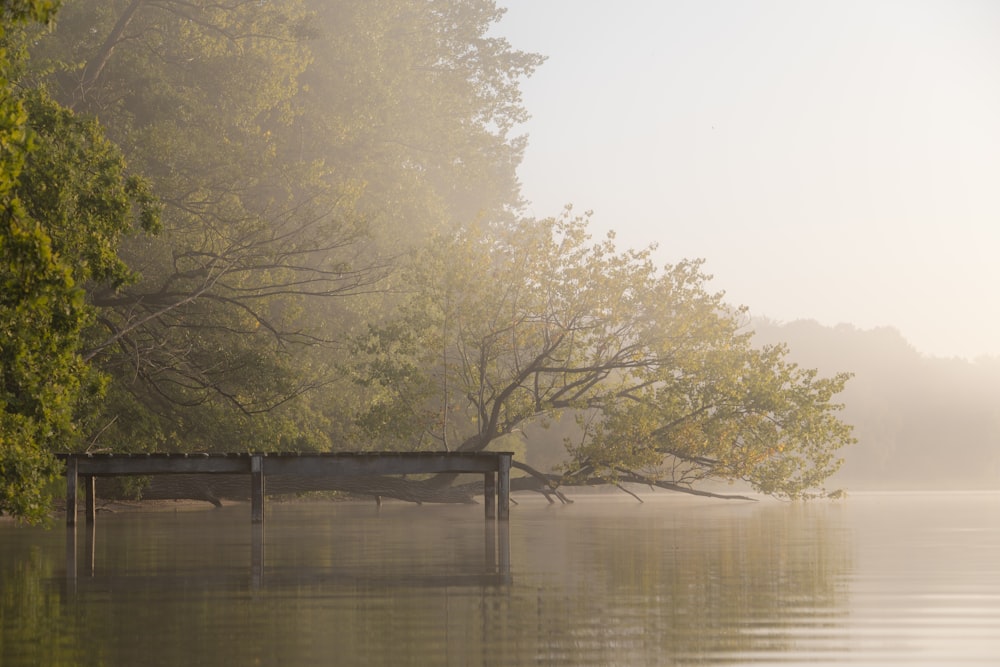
256,488
71,481
90,491
490,494
503,490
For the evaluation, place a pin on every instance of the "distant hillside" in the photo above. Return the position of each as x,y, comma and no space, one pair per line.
921,422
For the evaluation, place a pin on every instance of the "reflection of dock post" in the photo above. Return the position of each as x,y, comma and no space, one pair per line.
91,547
491,546
503,537
256,554
257,488
498,547
71,559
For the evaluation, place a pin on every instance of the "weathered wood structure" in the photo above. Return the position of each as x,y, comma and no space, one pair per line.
494,466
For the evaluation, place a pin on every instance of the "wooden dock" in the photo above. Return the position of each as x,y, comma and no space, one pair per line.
494,466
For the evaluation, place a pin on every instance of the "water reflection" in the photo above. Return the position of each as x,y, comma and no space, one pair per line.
493,570
688,583
597,583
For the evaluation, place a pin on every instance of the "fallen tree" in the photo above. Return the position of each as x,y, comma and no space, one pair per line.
217,488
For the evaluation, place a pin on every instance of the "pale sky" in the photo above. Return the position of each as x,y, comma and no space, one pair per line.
837,160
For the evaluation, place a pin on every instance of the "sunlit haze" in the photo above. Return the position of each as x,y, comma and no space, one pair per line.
837,161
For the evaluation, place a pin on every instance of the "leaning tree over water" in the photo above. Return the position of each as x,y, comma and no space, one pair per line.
517,325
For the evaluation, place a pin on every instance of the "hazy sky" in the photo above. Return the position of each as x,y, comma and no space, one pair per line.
837,160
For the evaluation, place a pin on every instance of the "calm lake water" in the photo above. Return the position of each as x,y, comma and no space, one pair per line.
876,579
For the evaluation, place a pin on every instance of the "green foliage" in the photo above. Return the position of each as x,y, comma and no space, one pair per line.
15,138
18,11
394,387
67,204
76,182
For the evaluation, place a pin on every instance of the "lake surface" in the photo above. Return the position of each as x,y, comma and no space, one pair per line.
875,579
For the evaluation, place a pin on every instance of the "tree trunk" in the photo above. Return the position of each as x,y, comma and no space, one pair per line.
216,488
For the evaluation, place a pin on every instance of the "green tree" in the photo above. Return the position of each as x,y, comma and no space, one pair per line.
514,324
66,205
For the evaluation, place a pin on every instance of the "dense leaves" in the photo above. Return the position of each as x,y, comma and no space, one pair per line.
67,204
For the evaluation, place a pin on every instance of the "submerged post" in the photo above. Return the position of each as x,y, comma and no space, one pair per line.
256,488
71,481
90,493
503,462
490,494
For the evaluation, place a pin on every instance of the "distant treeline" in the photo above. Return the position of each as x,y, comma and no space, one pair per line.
920,421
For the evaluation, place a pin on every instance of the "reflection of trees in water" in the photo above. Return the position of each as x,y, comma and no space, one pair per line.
630,585
36,627
692,580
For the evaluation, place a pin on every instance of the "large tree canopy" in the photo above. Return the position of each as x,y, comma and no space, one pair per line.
296,148
515,324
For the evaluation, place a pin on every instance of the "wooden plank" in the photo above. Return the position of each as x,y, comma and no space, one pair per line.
159,465
364,464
